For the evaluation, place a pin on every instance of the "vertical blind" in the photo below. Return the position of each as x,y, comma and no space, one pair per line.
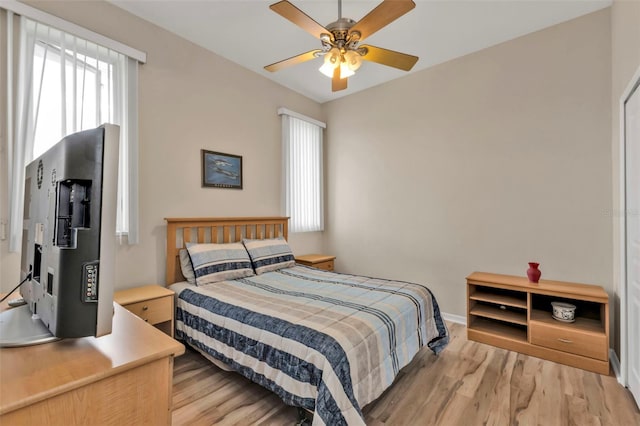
67,84
303,174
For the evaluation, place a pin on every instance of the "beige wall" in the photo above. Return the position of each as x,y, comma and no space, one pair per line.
189,99
625,35
480,164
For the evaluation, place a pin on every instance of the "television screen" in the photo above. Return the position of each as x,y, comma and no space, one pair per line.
69,236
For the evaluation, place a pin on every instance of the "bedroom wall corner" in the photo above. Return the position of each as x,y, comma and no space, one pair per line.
625,60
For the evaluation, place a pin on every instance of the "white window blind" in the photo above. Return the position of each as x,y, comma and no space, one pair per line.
303,171
68,84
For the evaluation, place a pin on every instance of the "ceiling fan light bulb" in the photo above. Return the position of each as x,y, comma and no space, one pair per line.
353,59
332,57
327,69
345,71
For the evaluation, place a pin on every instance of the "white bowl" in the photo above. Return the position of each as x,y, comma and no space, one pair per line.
564,311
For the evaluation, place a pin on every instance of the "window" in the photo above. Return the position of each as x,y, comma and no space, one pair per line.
85,103
65,84
78,85
303,166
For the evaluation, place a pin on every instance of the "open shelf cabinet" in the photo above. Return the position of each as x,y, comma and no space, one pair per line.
512,313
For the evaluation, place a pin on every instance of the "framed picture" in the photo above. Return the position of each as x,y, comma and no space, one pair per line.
221,170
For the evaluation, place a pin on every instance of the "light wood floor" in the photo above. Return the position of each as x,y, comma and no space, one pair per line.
468,384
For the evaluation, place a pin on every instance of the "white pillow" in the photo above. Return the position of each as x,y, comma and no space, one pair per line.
187,267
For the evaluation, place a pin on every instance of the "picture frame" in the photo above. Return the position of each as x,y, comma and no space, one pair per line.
221,170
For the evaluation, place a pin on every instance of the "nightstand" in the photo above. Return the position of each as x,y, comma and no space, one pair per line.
320,261
152,303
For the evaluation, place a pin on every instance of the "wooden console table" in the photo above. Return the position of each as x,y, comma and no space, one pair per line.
512,313
121,378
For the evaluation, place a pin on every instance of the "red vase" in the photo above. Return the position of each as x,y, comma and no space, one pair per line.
533,272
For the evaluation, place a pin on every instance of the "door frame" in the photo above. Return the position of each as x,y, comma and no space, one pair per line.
634,84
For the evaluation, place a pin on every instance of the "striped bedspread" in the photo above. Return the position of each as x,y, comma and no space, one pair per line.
327,342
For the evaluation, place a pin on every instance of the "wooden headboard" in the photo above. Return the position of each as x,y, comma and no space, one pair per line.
217,230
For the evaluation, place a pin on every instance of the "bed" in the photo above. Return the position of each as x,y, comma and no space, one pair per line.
322,341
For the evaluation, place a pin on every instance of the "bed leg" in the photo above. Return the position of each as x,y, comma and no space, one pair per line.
304,417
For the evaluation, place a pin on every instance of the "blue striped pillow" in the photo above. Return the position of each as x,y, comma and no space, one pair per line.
269,255
219,262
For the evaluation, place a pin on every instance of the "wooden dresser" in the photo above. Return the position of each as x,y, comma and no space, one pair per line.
121,378
512,313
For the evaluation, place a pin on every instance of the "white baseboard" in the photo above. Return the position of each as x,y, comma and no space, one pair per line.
458,319
615,366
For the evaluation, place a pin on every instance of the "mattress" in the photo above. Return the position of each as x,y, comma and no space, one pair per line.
324,341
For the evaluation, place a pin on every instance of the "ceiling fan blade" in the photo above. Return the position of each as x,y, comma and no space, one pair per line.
298,17
338,83
294,60
383,14
390,58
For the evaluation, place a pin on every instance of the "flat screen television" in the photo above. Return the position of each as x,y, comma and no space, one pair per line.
68,242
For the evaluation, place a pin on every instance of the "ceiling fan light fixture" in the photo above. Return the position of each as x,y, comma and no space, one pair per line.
341,40
345,70
332,57
327,69
353,60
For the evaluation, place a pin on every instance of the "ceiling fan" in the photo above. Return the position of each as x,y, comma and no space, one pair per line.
341,48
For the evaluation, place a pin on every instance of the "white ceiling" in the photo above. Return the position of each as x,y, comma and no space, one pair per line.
248,33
